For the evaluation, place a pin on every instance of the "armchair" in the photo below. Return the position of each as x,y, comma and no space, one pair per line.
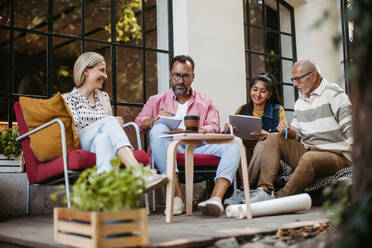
66,167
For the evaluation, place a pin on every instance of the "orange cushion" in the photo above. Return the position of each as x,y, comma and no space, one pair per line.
46,144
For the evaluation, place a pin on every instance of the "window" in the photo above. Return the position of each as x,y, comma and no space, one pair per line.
41,39
270,45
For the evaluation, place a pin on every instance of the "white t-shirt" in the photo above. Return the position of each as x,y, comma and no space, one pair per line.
181,112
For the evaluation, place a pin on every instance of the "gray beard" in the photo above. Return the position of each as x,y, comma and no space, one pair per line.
180,92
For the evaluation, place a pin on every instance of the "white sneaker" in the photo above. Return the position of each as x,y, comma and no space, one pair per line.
212,206
240,198
261,195
154,180
178,206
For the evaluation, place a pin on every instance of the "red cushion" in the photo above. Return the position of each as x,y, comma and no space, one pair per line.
77,159
141,157
199,160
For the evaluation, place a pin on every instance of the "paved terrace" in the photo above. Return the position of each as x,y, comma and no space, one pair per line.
36,229
186,231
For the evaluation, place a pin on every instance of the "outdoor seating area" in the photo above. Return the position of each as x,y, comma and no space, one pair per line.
162,123
182,228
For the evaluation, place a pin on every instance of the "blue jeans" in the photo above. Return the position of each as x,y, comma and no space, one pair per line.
229,153
104,137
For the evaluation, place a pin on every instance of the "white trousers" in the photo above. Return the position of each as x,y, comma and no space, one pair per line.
104,137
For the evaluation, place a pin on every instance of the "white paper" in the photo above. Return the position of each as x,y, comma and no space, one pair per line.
179,134
284,205
170,122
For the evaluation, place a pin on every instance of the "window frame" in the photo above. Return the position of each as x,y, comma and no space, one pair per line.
82,37
249,51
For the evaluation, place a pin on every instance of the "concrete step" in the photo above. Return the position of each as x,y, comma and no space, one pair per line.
13,188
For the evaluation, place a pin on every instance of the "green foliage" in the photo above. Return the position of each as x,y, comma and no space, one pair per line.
355,223
127,27
8,144
338,200
118,189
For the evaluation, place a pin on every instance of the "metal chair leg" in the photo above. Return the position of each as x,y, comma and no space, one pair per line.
153,192
235,194
28,186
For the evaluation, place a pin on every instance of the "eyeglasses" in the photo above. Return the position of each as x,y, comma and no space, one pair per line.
178,76
298,79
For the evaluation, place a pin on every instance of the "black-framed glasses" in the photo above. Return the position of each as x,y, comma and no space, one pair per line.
185,77
298,79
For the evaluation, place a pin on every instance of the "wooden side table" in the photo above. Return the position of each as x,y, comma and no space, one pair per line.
191,141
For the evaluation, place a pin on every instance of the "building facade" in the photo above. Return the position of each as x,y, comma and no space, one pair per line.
230,41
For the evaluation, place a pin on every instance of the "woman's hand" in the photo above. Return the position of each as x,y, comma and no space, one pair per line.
261,135
120,120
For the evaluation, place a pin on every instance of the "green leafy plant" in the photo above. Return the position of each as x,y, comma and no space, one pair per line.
118,189
339,199
8,145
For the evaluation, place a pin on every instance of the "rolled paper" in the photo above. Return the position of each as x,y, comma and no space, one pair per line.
284,205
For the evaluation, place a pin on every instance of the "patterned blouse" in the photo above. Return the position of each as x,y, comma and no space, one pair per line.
83,111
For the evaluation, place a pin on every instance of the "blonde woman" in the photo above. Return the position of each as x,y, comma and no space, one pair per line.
99,131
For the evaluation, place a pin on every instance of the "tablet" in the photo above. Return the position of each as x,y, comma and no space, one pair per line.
170,121
245,125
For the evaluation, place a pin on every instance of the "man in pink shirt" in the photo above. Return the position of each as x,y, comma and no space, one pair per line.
179,101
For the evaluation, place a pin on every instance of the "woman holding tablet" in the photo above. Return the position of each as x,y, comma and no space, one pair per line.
264,102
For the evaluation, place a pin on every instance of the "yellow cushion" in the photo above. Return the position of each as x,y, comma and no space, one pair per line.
46,144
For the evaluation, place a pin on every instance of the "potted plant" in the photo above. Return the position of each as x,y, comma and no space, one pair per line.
10,151
104,210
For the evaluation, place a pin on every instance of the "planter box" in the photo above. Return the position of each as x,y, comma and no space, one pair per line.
14,164
101,229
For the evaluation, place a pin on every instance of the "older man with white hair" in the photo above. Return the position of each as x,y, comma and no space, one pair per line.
318,141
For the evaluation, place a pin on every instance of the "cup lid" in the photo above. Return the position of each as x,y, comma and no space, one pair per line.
192,117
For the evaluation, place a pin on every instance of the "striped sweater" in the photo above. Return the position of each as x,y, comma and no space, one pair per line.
324,119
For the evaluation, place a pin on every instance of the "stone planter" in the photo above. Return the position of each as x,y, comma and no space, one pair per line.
76,228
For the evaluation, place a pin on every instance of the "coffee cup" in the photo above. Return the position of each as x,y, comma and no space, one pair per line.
192,123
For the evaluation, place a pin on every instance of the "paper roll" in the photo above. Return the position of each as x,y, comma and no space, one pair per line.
284,205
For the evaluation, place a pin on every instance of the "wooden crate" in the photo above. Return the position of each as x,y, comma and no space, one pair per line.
14,164
126,228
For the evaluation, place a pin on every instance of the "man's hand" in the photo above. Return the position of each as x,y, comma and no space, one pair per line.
164,113
227,130
281,129
146,124
120,120
201,130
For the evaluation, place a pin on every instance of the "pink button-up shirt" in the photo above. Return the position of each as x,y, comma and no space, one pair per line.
199,104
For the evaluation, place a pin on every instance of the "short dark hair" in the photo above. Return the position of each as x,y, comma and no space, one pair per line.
182,59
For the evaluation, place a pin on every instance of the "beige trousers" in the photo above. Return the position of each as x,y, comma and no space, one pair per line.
254,163
307,163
